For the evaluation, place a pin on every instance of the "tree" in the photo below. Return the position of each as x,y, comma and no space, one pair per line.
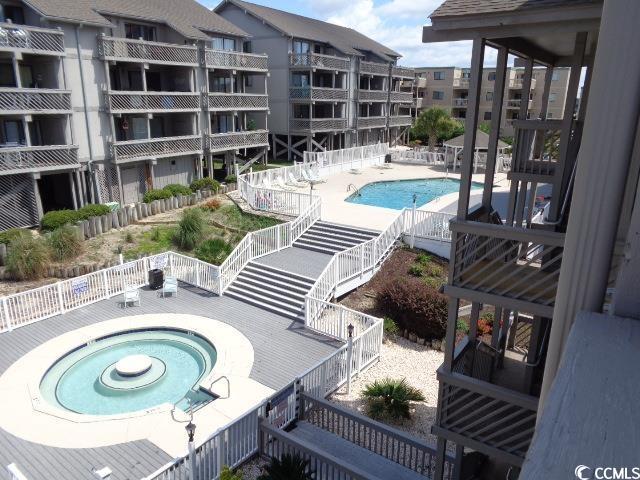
436,124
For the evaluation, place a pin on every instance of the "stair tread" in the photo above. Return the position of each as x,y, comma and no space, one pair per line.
325,241
270,308
317,248
291,306
249,276
339,236
348,228
281,273
298,297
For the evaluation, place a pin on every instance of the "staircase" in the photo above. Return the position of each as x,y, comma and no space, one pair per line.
331,238
278,291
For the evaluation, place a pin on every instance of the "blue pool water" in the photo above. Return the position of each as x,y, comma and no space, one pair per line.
398,194
85,380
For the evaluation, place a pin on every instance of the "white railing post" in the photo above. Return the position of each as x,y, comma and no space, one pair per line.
60,296
219,281
349,359
362,259
197,267
413,225
5,309
105,280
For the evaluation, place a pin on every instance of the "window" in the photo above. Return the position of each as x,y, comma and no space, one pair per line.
489,96
438,95
135,31
555,76
466,74
552,97
491,77
222,123
549,115
13,133
6,75
300,80
15,14
300,47
487,115
220,84
222,43
248,81
247,47
438,75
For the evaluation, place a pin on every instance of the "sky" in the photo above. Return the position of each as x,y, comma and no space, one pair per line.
394,23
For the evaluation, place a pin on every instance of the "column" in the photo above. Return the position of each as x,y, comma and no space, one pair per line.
73,191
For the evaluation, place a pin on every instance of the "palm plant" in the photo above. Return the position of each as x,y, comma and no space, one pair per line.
190,229
390,398
435,123
288,467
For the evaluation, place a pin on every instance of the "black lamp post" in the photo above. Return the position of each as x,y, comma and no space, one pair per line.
191,430
350,329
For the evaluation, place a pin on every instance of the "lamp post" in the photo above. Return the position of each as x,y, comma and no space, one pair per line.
191,431
350,329
413,220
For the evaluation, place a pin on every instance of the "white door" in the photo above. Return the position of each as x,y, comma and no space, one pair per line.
131,184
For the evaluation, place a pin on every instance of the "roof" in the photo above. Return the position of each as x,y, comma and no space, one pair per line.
187,17
451,8
482,141
344,39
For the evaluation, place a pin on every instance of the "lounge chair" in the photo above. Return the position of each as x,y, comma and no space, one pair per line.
295,182
280,183
312,177
131,295
170,285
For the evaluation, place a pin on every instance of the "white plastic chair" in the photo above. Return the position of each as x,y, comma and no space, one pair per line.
131,295
280,183
295,183
170,285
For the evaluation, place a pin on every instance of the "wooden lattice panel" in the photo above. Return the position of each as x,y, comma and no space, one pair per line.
31,38
235,60
316,60
234,140
157,147
51,157
238,101
152,101
112,48
32,100
17,202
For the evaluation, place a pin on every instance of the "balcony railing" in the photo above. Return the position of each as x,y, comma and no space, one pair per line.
372,68
238,101
34,100
536,148
127,50
420,82
235,60
373,95
503,264
403,72
516,102
31,39
401,97
400,121
319,94
318,124
235,140
121,101
517,83
157,147
460,102
316,60
372,122
461,82
35,159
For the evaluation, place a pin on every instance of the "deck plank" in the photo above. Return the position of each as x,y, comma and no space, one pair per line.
298,260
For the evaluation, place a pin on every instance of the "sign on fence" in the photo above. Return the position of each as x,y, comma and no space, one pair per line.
160,261
80,286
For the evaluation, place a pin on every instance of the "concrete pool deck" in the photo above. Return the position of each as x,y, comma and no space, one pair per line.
334,193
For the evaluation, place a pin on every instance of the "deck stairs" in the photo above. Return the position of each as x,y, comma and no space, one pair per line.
331,238
276,290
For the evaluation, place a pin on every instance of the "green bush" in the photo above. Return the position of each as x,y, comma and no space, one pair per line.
27,258
93,210
204,183
228,474
416,270
152,195
190,228
288,467
176,189
213,251
8,236
423,258
415,307
230,179
64,243
462,326
57,218
390,398
390,326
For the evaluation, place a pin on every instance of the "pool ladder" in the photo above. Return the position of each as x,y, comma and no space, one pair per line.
355,189
222,377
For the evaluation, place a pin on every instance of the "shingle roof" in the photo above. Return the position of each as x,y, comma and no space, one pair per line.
187,17
482,141
346,40
474,7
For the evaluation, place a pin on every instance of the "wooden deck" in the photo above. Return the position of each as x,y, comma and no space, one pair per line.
283,349
298,260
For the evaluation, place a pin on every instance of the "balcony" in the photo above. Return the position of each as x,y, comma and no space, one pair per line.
516,102
142,51
19,101
403,72
231,60
151,148
143,102
237,101
400,121
460,102
316,60
371,122
16,160
516,83
318,124
401,97
27,39
536,153
460,83
370,96
503,265
420,82
219,142
420,102
319,94
372,68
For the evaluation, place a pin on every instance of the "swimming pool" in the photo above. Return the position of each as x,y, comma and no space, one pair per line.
398,194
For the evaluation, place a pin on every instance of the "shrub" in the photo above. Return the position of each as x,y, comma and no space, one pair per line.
203,183
152,195
92,210
212,205
128,237
230,179
390,326
485,324
155,234
27,258
390,398
416,270
64,243
288,467
462,326
57,218
190,228
415,307
433,282
213,251
228,474
10,235
423,258
176,189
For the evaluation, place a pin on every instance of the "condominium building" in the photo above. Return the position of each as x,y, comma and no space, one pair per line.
448,88
104,100
329,87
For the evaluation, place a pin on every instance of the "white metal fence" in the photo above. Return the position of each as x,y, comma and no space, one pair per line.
333,161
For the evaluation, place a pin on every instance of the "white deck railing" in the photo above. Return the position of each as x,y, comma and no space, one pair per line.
131,101
49,157
418,156
31,39
129,50
34,100
333,161
157,147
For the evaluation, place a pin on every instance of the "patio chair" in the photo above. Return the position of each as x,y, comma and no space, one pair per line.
312,177
131,295
170,285
280,183
296,183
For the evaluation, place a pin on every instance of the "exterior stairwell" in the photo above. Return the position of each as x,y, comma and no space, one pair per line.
271,289
331,238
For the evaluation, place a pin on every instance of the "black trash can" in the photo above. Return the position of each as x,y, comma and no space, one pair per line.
156,279
387,158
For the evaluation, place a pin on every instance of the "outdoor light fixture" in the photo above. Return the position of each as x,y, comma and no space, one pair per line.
350,330
191,430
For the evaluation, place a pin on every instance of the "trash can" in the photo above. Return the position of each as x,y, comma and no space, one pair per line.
387,158
156,279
